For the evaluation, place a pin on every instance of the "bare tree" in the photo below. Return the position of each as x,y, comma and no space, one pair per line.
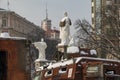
82,32
108,40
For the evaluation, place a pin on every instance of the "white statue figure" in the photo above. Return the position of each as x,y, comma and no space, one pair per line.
72,42
72,47
41,46
65,29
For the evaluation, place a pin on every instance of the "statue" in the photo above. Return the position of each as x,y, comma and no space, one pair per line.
65,29
72,42
72,48
41,46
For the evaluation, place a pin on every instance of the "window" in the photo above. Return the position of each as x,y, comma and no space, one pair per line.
63,70
48,73
110,72
92,69
4,22
92,20
92,9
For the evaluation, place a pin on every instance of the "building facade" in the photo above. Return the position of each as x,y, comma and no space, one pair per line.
18,26
46,24
97,10
50,33
105,22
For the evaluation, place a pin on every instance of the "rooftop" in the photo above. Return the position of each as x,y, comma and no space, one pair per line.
2,9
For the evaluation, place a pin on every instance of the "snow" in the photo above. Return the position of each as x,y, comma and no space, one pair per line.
73,49
71,61
41,60
93,52
91,58
61,63
40,68
6,35
17,38
61,44
83,52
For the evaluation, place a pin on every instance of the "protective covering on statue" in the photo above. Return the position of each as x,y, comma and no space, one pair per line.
65,29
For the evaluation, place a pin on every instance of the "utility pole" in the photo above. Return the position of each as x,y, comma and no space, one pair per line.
46,11
8,4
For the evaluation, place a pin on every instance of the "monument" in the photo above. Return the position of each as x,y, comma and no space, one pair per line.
67,45
41,46
64,24
65,29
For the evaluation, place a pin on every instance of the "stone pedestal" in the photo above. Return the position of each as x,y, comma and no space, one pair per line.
63,50
41,46
39,63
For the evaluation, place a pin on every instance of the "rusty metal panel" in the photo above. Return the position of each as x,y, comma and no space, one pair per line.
15,68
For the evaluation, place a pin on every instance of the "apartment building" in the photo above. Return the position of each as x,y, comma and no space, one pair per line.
18,26
105,21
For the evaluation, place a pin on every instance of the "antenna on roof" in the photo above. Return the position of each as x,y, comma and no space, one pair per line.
46,11
8,3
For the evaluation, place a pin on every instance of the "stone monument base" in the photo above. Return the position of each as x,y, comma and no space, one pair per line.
63,51
40,62
62,48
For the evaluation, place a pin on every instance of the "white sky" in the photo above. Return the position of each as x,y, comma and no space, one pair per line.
34,10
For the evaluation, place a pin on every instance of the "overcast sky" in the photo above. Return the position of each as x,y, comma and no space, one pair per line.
35,10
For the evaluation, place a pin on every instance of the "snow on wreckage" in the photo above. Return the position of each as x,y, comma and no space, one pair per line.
5,35
83,68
